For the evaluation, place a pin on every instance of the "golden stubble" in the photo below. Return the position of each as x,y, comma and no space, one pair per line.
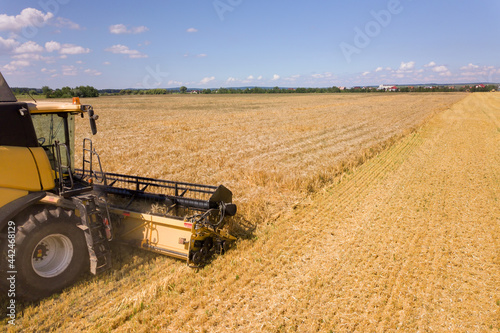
270,150
373,212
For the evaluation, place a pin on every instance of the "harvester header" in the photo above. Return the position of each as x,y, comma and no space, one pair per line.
61,219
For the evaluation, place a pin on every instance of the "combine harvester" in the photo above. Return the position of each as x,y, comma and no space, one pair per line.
56,222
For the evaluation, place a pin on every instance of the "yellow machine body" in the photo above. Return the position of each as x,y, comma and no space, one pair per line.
28,169
23,170
38,170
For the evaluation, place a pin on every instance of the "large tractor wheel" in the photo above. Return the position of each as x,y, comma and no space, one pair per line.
51,252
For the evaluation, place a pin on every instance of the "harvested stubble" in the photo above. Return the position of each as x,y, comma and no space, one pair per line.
408,240
270,150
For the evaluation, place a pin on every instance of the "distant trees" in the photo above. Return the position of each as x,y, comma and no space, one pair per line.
276,90
89,91
67,92
224,90
156,91
26,91
46,90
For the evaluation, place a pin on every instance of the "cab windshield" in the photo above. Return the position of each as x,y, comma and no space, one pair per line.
52,127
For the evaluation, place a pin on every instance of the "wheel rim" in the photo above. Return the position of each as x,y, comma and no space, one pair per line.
52,255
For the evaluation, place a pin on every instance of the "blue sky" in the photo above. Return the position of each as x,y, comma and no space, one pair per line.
224,43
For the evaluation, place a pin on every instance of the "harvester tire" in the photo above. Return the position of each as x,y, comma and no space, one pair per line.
50,253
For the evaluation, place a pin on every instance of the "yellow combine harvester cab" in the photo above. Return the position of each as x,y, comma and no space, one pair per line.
44,224
56,220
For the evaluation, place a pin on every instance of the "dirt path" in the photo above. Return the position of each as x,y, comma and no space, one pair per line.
410,240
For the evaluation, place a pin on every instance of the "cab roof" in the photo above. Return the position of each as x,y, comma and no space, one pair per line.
54,107
7,96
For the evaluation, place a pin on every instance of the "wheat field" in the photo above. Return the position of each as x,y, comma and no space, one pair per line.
370,213
269,150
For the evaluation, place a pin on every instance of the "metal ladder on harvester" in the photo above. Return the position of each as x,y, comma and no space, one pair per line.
87,167
94,214
95,225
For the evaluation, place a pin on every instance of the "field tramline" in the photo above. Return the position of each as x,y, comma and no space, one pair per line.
269,149
349,220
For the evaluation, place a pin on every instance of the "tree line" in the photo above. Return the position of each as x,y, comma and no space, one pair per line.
89,91
300,90
67,92
64,92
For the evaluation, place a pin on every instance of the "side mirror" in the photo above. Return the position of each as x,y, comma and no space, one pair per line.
92,118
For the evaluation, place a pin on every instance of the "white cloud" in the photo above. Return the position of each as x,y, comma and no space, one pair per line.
119,29
28,17
48,71
139,30
32,56
470,66
146,43
62,22
175,83
440,69
122,49
407,71
249,79
73,49
292,78
321,75
29,47
480,73
468,74
8,45
106,63
69,70
65,49
16,65
21,63
275,77
207,79
192,30
201,55
406,66
92,72
52,46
